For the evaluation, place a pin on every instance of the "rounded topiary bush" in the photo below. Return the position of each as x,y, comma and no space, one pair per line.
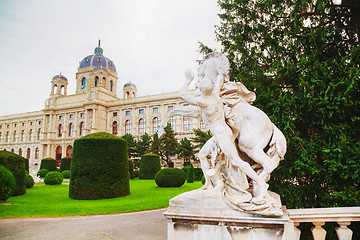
42,172
53,178
66,174
7,183
99,167
170,177
29,181
49,164
16,165
65,164
149,166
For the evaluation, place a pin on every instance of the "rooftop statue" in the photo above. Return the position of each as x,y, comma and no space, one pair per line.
233,160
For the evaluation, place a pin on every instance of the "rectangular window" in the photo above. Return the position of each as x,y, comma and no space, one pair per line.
170,108
82,115
114,114
156,109
186,104
141,111
127,113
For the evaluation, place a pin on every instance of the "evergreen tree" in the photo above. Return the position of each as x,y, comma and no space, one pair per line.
190,174
143,144
185,151
200,138
131,145
155,144
168,144
302,58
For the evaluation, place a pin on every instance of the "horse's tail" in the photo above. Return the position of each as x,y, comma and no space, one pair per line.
277,145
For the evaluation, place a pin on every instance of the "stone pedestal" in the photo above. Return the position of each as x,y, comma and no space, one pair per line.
202,214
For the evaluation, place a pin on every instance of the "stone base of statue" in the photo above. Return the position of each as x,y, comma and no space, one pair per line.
203,214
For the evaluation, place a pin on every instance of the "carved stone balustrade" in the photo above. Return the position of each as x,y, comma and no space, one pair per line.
319,216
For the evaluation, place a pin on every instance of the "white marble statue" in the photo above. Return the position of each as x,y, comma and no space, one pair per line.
240,132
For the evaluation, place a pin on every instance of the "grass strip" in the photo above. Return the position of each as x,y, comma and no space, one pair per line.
54,201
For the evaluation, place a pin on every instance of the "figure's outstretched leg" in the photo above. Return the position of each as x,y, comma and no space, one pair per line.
229,149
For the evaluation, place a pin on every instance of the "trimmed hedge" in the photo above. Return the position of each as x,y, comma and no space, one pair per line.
65,164
190,174
29,181
170,177
53,178
136,173
99,167
49,164
7,183
42,172
149,166
198,174
131,169
66,174
16,164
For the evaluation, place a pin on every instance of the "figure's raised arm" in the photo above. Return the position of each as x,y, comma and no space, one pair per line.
184,91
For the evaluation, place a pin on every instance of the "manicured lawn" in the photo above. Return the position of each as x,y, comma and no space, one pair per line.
54,201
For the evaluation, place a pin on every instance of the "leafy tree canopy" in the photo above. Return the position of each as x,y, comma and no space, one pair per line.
302,58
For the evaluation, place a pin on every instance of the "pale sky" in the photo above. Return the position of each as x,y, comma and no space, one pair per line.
151,42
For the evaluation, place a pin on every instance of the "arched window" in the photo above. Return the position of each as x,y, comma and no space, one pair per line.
55,89
104,82
172,122
58,154
62,90
0,137
7,137
155,124
71,129
81,128
115,128
31,135
186,123
20,151
37,153
69,150
28,153
39,134
141,126
60,130
83,83
111,86
12,150
203,125
15,136
127,127
96,81
23,135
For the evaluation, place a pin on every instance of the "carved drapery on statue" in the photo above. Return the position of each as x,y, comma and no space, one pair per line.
233,160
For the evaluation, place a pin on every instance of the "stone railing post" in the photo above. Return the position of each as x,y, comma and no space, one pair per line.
318,232
343,232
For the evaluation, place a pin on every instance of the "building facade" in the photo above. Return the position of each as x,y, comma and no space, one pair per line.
94,107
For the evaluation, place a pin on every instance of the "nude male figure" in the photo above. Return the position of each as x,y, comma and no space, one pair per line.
210,81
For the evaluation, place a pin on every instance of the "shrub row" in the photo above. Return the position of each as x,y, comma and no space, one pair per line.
49,164
7,183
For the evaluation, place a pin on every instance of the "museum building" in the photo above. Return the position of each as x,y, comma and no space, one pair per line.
94,107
